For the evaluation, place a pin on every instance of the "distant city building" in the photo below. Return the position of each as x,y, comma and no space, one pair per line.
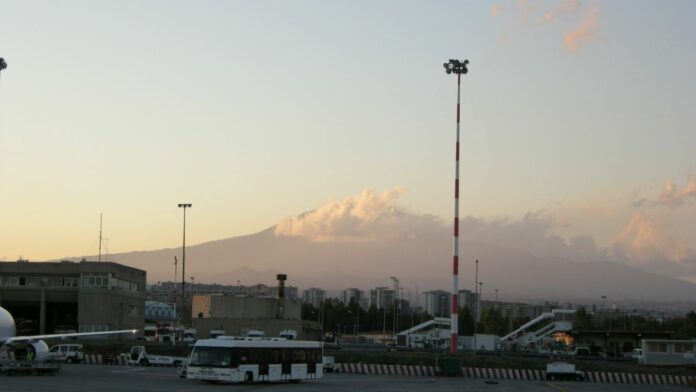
164,291
468,299
350,294
314,296
353,294
437,303
381,297
291,292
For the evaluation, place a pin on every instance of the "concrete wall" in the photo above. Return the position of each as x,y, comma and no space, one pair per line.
117,310
234,307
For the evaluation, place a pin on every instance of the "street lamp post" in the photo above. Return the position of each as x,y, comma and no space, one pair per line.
396,302
477,311
459,68
183,261
357,322
175,301
191,289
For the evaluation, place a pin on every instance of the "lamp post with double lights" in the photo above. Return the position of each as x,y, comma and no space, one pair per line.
183,263
457,67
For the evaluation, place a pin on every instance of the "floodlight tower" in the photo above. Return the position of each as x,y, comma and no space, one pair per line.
459,68
183,264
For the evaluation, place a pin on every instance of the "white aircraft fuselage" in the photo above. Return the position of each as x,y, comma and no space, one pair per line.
10,340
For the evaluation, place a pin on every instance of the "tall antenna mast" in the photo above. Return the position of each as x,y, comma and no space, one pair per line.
100,235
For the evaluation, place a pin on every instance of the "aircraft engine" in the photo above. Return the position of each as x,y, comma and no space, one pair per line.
38,347
40,350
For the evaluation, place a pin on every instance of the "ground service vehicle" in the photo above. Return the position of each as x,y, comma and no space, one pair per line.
563,371
637,354
138,356
330,365
243,359
190,335
70,353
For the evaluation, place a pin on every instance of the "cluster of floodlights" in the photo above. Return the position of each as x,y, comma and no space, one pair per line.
456,66
3,64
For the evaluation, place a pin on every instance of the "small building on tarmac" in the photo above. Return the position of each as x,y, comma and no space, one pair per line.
668,352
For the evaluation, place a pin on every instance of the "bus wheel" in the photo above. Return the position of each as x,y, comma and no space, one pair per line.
249,377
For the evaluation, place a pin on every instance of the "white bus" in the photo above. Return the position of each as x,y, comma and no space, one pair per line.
237,359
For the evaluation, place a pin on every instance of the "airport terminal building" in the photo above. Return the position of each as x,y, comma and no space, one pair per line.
66,296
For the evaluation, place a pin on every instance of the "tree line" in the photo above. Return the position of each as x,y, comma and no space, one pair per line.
337,317
340,318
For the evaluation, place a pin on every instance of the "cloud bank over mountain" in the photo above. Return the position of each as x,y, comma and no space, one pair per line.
367,216
374,216
361,240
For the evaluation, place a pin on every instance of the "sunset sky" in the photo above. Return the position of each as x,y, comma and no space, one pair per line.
580,113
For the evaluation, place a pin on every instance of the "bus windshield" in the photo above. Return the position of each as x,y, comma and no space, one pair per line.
211,357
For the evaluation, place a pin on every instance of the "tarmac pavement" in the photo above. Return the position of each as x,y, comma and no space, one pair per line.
100,378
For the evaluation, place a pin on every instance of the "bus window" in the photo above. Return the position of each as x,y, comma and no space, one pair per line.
244,356
275,356
299,356
311,361
286,360
264,358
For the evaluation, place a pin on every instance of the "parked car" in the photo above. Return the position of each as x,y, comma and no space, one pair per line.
70,353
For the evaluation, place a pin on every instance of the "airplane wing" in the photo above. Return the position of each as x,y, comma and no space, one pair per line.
66,335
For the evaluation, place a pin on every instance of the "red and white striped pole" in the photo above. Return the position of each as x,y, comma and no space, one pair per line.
458,68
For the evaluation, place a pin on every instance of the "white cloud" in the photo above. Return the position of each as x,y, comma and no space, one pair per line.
585,32
564,9
375,217
584,19
673,197
363,217
643,241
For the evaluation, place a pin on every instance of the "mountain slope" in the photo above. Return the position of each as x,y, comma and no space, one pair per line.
422,260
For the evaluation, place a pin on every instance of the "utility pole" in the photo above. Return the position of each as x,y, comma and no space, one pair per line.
459,68
478,307
100,235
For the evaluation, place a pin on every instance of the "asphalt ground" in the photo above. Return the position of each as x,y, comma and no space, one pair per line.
100,378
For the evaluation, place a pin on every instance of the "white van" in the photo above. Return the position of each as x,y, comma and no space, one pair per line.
70,353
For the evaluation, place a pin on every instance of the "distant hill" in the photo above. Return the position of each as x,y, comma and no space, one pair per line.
421,260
